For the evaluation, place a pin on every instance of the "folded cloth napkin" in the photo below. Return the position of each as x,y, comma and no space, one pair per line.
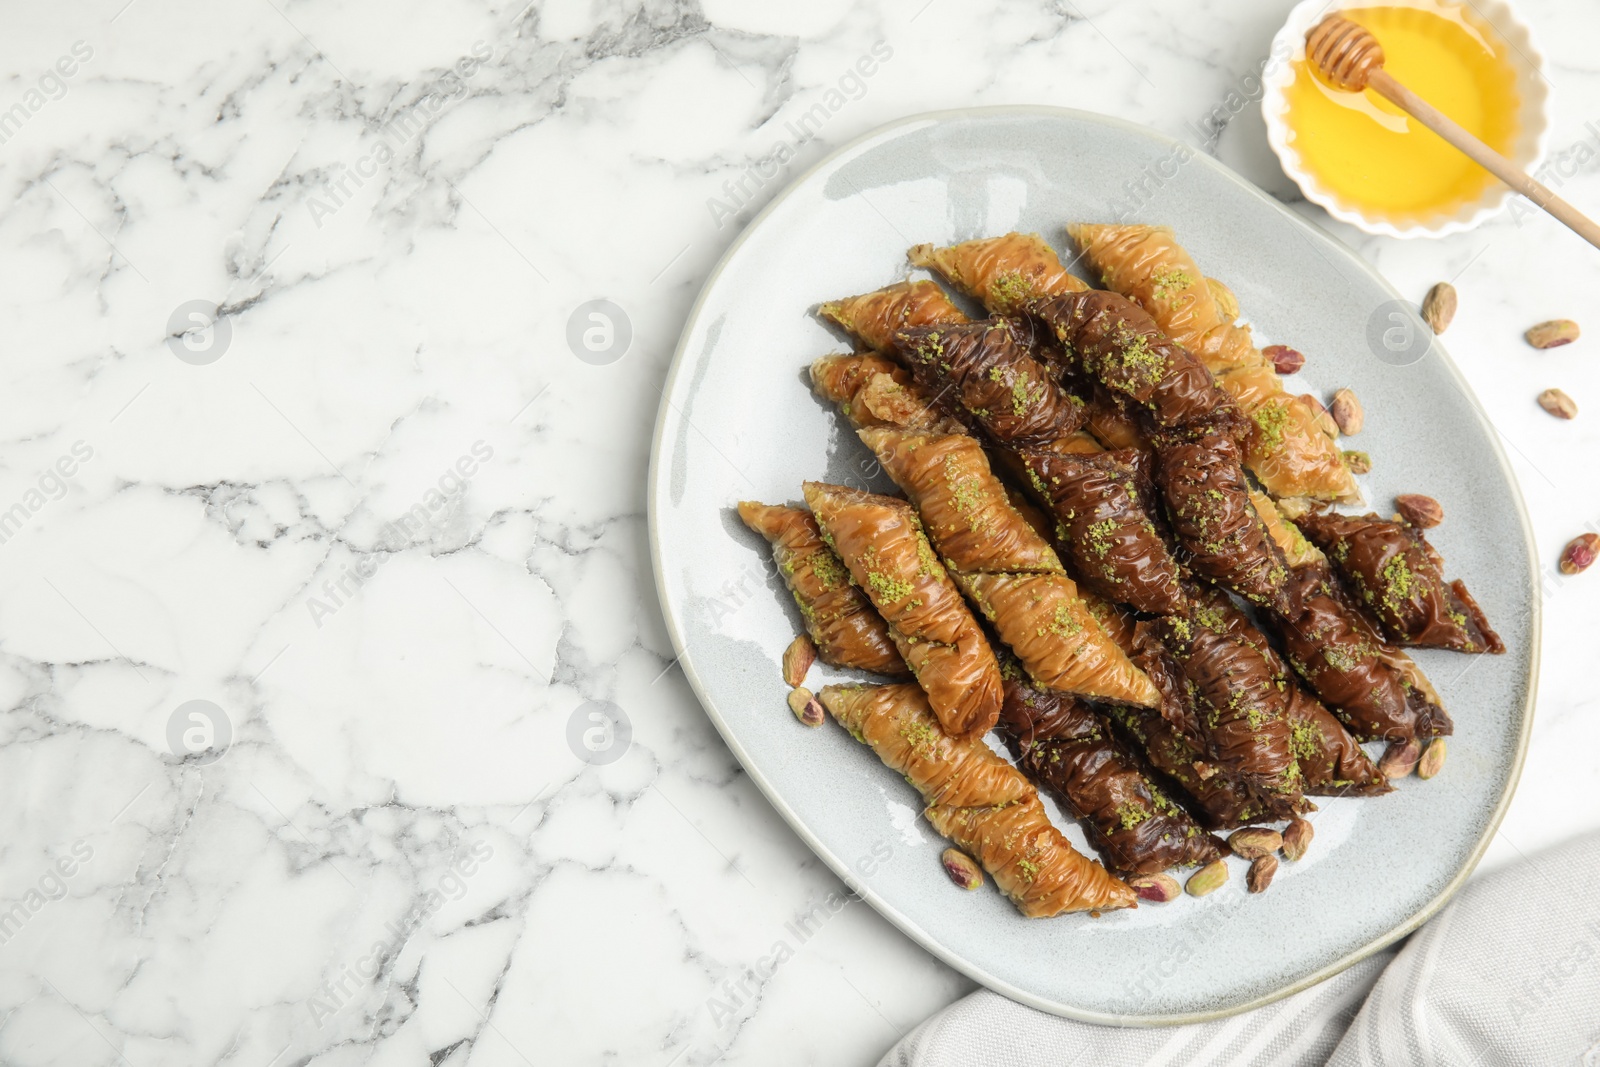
1507,974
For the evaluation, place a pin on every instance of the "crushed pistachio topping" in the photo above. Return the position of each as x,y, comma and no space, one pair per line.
1009,289
1025,392
1134,361
1130,815
1169,280
921,735
1099,536
1399,584
1210,618
1304,740
829,572
966,493
1063,623
1270,420
887,589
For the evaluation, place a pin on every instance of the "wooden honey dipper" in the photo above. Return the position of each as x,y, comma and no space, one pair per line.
1349,57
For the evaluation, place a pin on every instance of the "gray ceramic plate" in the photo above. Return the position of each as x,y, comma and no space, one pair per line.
739,422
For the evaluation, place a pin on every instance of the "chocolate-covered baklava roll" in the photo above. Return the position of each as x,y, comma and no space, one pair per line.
874,318
999,560
1241,698
1004,273
1376,690
991,372
979,801
838,616
1398,577
1209,508
1101,505
1218,797
1330,759
1332,763
1120,346
1062,743
881,541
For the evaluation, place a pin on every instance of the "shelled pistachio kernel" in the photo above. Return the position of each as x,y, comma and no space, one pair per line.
1580,553
1552,334
806,707
1400,759
797,660
1347,412
1558,404
1432,761
1423,512
1297,838
1208,879
1284,360
961,868
1254,842
1158,888
1262,868
1439,307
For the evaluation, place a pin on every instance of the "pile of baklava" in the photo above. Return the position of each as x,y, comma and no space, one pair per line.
1116,546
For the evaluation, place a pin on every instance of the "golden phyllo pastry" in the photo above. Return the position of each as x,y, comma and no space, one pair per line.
978,800
881,540
838,616
999,560
872,390
874,318
1003,273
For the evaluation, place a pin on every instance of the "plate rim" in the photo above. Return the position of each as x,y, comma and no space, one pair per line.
842,870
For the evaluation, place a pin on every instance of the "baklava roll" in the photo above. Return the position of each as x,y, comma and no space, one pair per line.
979,801
1215,523
1005,567
1118,345
1148,266
990,372
1297,551
881,541
1398,578
1285,447
1061,743
874,318
1374,688
1003,273
872,390
1241,697
1101,505
838,616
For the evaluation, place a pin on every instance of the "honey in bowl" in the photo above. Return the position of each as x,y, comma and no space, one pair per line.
1382,162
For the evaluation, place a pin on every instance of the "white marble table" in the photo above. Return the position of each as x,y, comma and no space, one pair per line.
389,530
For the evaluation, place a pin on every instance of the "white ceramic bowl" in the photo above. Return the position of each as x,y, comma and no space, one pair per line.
1528,151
